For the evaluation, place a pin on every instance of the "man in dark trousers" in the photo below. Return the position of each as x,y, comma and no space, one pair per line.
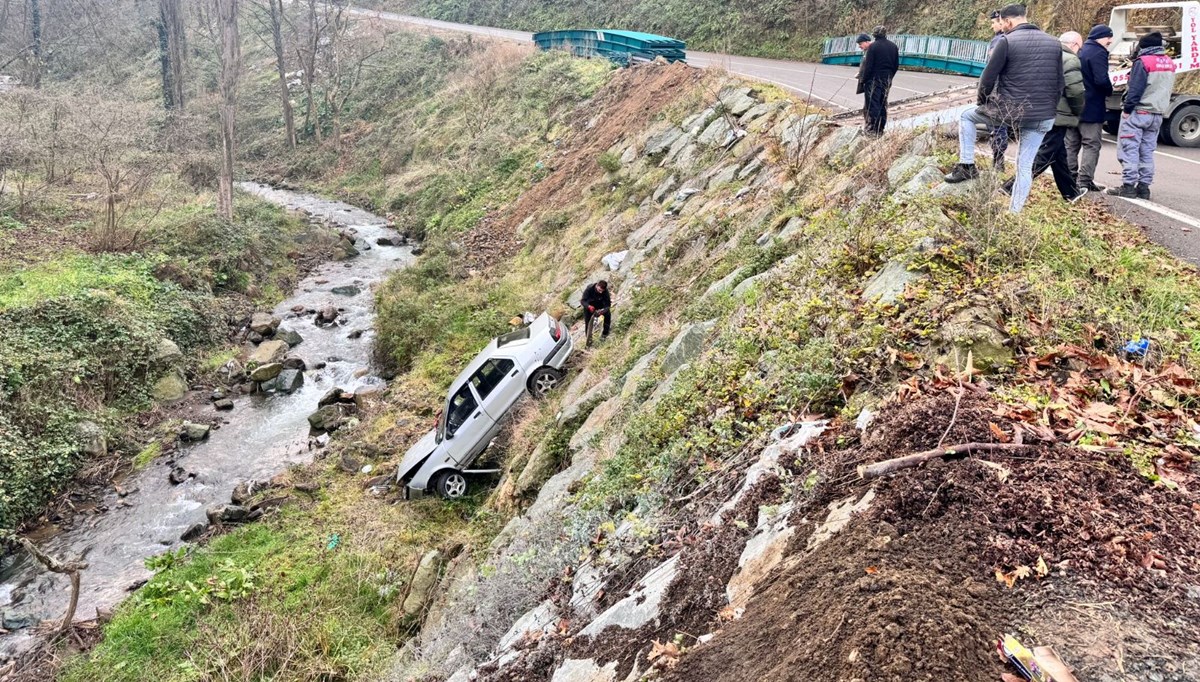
1020,87
1053,153
1000,134
875,74
596,302
1084,142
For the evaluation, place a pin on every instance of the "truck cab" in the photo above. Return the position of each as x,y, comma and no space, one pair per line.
1179,24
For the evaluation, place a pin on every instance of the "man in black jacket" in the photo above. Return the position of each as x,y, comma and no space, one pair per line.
875,75
1020,87
596,302
1084,143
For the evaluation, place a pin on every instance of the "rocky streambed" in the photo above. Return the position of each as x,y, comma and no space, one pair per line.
324,330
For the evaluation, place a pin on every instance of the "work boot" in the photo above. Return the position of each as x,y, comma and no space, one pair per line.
1091,186
1124,191
962,172
1143,191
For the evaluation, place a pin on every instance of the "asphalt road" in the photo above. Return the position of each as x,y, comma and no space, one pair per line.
1172,218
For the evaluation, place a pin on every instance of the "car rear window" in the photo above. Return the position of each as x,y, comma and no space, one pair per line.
490,375
461,407
518,335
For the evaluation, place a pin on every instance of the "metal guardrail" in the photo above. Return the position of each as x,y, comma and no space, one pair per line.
619,46
935,53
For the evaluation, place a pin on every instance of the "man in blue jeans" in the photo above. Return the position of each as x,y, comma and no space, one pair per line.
1019,88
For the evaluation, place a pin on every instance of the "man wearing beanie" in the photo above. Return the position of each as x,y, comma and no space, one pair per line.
875,75
1000,134
1147,97
1020,87
1083,143
863,41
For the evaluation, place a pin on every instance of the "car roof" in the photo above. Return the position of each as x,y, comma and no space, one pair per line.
490,351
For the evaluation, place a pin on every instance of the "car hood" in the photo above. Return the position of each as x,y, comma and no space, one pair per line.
419,451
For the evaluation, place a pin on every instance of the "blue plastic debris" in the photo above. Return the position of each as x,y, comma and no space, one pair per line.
334,541
1138,347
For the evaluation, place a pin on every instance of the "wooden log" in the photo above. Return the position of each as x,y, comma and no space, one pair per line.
868,471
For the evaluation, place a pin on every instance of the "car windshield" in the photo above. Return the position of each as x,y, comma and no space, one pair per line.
462,405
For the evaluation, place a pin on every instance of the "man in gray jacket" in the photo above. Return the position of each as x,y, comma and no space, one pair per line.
1020,87
1053,152
1147,97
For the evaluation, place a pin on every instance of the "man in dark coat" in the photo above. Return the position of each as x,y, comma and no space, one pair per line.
1000,134
875,74
596,302
1020,87
1053,153
1083,143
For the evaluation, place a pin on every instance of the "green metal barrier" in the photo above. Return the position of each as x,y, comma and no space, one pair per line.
619,46
934,53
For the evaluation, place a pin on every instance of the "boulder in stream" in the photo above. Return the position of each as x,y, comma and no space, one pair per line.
266,372
264,323
326,315
193,531
289,336
289,381
227,513
193,432
223,405
346,290
295,363
268,352
330,417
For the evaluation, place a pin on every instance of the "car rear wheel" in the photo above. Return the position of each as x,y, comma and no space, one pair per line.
1183,129
451,485
543,380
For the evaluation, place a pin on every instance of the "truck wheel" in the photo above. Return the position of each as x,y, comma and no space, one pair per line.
1183,128
543,380
451,485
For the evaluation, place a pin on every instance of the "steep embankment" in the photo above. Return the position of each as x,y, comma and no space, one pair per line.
792,301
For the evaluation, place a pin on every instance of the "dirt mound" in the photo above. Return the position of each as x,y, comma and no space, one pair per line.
951,555
870,605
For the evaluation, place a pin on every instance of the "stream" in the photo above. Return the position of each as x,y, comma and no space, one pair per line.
261,437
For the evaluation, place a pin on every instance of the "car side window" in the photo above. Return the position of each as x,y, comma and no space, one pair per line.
462,405
490,375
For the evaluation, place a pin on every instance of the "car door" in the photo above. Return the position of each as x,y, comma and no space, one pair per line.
467,426
499,384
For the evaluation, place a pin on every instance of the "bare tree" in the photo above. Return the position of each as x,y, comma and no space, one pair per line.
276,16
307,52
171,42
35,43
231,57
343,62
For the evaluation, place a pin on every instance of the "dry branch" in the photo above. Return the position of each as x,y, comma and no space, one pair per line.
869,471
70,568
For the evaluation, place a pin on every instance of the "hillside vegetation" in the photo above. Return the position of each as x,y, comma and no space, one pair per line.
775,283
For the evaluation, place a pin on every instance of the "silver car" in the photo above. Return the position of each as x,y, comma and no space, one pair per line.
528,359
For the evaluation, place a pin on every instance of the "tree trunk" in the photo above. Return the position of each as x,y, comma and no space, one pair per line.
310,69
289,121
35,45
231,57
171,41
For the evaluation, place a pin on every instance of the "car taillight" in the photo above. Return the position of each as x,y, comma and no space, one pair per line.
556,330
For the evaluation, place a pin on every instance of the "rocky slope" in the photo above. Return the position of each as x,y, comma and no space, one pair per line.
705,520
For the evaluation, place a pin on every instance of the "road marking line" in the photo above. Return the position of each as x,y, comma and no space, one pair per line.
1164,211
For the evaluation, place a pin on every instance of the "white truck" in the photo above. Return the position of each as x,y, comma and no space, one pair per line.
1179,24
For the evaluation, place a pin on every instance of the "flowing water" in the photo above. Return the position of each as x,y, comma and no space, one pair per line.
258,439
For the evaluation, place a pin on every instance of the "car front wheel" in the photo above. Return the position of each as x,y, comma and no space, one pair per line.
543,380
451,485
